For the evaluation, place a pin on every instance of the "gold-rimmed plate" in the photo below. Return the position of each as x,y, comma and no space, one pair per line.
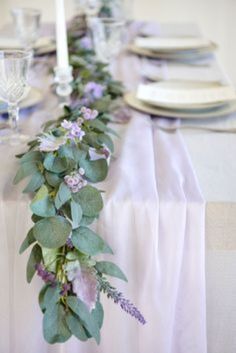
135,103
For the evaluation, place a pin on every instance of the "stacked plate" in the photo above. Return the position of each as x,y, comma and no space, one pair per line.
171,48
43,46
183,99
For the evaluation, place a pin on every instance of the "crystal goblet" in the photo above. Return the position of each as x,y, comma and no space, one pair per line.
27,25
14,67
107,38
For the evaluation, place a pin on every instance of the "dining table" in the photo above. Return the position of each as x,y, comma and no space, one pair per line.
169,214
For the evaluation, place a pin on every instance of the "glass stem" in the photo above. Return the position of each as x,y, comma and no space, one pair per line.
13,111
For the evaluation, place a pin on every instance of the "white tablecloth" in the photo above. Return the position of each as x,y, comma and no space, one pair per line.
153,219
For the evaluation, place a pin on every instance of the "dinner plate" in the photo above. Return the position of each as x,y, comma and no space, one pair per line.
44,45
132,101
185,55
34,97
180,94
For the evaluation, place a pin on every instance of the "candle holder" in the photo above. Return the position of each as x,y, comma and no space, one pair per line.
63,78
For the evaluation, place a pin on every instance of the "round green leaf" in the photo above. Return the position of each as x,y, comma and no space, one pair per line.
52,232
90,200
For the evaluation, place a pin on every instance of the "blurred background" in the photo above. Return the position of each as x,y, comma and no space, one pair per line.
216,19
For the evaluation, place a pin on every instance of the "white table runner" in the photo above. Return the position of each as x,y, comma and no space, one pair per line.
153,219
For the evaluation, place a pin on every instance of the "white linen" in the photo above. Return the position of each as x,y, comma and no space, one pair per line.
172,43
153,219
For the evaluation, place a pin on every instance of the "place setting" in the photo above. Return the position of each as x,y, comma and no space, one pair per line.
172,48
112,139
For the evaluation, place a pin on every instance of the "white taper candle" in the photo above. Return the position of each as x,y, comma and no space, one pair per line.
61,35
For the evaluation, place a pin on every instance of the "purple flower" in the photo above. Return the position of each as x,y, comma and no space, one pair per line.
50,143
47,277
66,124
118,298
89,114
86,43
75,181
94,90
76,132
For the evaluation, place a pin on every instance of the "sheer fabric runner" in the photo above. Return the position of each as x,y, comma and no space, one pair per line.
153,219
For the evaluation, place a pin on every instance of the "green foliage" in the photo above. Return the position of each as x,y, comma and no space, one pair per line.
75,326
42,205
52,232
76,214
90,200
80,309
95,171
62,196
88,242
110,269
34,259
30,239
55,329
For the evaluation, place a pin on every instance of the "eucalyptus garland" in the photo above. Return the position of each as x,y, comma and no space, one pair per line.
63,164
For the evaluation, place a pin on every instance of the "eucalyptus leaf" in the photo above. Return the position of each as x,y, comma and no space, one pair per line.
76,214
41,204
110,269
31,156
104,139
55,164
41,297
55,329
75,326
30,239
34,259
95,171
88,242
98,314
52,296
90,200
80,309
62,196
86,221
49,258
53,179
35,183
26,169
52,232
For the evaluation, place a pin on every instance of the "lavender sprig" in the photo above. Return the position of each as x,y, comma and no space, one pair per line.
118,298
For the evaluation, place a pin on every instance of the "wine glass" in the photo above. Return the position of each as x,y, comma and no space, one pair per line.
88,7
14,67
27,25
107,38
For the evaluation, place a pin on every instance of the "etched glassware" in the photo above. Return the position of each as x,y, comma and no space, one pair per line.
14,67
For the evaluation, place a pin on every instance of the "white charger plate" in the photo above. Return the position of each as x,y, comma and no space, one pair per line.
34,97
132,101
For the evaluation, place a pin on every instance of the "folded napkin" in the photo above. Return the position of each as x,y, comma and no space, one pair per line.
184,93
172,43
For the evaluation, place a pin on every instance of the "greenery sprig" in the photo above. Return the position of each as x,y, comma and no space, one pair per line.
62,164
